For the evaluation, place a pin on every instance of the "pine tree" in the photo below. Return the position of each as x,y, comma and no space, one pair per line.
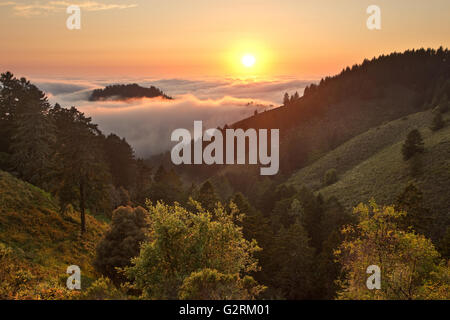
207,196
413,144
32,147
417,215
82,172
292,263
120,158
286,99
25,128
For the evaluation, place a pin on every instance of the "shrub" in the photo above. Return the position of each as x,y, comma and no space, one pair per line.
413,144
330,177
121,242
182,242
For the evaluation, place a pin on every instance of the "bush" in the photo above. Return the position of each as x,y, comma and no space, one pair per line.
330,177
103,289
413,144
209,284
183,242
121,242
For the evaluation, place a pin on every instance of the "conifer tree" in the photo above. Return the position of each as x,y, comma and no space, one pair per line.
413,144
82,172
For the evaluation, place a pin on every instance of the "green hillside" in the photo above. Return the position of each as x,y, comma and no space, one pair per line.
38,238
371,165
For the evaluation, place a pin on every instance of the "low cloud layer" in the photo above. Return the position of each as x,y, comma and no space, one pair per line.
148,123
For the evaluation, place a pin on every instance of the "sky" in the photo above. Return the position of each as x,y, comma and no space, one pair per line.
207,38
193,51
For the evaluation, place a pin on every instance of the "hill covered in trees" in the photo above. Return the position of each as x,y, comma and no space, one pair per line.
377,133
126,91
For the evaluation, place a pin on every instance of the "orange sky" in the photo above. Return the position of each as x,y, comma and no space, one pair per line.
198,38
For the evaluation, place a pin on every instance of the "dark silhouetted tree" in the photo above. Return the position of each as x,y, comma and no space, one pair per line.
207,196
286,99
413,144
82,172
121,242
120,158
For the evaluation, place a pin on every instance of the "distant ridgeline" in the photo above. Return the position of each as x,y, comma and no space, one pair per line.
126,91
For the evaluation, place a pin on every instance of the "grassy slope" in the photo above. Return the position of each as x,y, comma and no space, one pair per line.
31,225
371,165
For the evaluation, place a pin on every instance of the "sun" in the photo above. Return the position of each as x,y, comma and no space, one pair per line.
248,60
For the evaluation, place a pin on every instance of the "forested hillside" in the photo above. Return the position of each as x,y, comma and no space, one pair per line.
375,137
128,91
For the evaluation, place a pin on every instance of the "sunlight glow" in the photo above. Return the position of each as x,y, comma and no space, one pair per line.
248,60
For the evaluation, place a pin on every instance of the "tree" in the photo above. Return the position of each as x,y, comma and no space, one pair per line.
208,284
410,265
330,177
292,263
82,173
32,145
413,144
327,269
254,224
286,99
27,129
121,162
183,242
103,289
166,186
121,242
207,196
438,122
143,182
417,216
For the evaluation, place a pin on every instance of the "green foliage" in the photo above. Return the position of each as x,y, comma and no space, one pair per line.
410,265
413,144
207,196
292,263
330,177
28,129
417,216
208,284
166,187
121,242
82,173
103,289
182,242
41,243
